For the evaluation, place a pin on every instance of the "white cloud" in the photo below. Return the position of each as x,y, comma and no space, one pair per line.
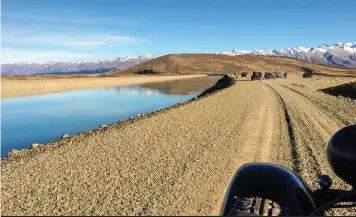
33,45
68,18
82,43
68,39
64,36
95,40
14,55
71,40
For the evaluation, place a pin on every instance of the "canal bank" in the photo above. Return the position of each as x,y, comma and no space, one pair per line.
16,86
43,118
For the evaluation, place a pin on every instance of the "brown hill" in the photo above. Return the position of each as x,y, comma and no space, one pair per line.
215,63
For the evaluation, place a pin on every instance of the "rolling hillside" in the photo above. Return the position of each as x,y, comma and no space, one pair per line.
215,63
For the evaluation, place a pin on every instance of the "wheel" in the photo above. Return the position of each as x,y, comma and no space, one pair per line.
257,206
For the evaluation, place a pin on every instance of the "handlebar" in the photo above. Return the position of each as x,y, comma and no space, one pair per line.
323,196
328,198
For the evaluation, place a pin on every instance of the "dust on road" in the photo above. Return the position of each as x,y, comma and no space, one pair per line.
180,161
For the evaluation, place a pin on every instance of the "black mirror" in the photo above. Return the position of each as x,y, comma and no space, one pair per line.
325,181
342,154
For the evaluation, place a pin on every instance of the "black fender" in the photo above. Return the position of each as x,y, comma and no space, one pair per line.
271,182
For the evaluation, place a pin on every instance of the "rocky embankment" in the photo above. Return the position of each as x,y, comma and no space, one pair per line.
345,90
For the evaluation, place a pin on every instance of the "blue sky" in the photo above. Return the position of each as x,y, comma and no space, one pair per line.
64,30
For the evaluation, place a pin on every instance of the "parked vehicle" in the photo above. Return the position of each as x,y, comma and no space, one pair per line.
243,74
146,72
279,75
308,73
270,75
256,76
268,189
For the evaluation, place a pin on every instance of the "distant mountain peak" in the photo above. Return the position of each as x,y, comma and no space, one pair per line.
341,54
120,63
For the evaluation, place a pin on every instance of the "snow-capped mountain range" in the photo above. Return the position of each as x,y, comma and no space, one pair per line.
339,54
119,63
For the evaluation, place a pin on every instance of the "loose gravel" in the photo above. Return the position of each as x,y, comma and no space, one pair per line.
181,160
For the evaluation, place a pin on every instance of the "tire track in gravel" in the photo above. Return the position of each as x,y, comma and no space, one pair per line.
314,125
341,120
326,115
267,129
294,152
313,129
255,135
252,131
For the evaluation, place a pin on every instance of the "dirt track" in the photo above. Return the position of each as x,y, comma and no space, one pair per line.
180,161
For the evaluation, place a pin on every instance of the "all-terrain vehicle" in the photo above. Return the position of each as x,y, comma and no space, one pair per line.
146,72
279,75
244,75
268,189
256,76
270,75
308,73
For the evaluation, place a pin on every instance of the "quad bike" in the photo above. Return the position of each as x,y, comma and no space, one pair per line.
308,75
271,190
270,75
279,75
256,76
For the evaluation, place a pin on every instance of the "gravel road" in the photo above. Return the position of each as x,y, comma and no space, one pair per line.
179,161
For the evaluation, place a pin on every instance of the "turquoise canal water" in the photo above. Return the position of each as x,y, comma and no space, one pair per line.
45,118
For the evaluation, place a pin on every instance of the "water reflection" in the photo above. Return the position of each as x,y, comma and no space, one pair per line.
176,87
183,87
136,90
44,118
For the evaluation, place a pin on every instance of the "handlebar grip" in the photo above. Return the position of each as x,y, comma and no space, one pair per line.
323,196
350,198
